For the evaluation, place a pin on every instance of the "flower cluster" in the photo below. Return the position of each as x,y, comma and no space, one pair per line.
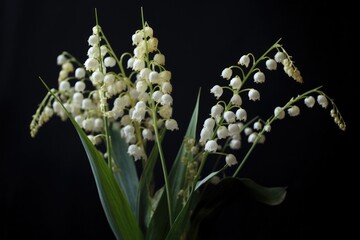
94,93
229,119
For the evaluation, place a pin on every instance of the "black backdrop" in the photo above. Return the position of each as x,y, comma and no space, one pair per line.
47,189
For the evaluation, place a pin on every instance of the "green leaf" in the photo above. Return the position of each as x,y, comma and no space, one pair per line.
155,200
115,205
145,190
178,169
181,224
228,191
159,225
268,195
124,168
207,178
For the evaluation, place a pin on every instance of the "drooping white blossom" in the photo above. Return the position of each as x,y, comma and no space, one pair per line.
217,91
229,116
271,64
216,110
244,60
235,83
322,100
109,62
222,132
226,73
254,94
230,160
80,73
236,100
293,111
259,77
209,123
279,57
171,125
241,114
309,101
279,113
211,146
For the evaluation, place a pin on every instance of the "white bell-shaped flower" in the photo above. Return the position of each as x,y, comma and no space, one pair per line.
91,64
205,134
229,116
171,124
79,86
267,128
322,100
279,57
234,129
64,86
235,144
147,134
165,111
252,137
244,60
61,59
293,111
279,113
222,132
166,87
159,58
271,64
93,40
230,160
211,146
157,96
166,99
257,126
241,114
80,73
138,65
209,123
309,101
236,100
109,61
216,110
254,94
259,77
226,73
235,83
217,91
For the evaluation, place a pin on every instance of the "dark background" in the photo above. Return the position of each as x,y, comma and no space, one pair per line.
47,190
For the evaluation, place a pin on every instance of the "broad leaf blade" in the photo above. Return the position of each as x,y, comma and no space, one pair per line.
124,168
268,195
115,205
159,224
181,224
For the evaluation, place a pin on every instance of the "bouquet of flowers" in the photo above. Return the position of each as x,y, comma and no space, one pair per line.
121,108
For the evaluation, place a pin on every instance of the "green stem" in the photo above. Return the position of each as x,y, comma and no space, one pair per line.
202,164
163,165
155,121
270,121
275,45
246,156
107,129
